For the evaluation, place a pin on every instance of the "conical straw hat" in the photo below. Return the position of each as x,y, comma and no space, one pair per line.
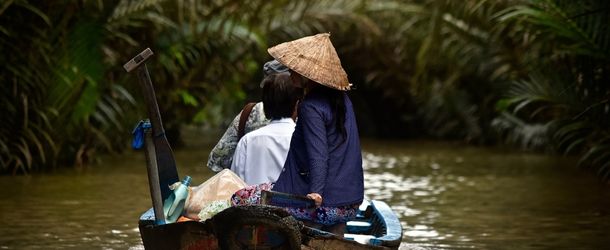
313,57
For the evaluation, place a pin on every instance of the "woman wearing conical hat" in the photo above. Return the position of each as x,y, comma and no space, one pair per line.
324,161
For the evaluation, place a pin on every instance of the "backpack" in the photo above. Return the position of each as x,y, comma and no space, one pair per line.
245,113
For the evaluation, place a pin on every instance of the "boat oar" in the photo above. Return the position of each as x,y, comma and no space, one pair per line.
153,178
166,165
285,199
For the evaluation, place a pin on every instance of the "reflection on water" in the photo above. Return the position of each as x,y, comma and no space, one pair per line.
447,197
450,196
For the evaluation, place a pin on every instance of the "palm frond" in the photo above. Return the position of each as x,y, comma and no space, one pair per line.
515,131
583,30
126,8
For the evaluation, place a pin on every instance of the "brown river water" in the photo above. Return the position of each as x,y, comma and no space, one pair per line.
447,196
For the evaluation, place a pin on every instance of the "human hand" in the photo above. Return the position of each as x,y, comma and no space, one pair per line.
317,198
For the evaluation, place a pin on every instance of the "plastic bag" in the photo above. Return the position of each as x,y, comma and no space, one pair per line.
213,208
219,187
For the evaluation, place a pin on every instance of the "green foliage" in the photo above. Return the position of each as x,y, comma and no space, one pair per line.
527,72
572,95
55,90
445,58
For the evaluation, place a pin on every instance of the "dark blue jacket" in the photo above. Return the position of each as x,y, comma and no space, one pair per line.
319,160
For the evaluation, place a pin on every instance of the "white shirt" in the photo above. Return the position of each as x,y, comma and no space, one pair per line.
260,154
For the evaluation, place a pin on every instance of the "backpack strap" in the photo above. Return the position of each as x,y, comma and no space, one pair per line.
245,113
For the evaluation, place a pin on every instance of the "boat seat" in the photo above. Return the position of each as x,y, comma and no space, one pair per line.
360,238
358,227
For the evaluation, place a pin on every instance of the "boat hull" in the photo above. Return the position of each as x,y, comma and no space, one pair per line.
183,235
268,227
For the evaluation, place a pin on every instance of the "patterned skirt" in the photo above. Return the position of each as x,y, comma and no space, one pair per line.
251,195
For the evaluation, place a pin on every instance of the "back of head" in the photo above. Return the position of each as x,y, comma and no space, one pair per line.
279,96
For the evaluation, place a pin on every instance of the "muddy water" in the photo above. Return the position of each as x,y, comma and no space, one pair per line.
447,196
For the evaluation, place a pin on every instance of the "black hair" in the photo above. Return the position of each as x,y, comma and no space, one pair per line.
337,104
279,96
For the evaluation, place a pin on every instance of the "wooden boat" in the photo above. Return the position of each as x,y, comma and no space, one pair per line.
240,227
269,227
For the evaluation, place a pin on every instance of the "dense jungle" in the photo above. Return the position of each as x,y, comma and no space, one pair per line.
527,74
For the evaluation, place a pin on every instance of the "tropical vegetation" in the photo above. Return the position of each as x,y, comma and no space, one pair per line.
529,73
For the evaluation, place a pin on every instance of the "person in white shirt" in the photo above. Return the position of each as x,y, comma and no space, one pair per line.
260,154
221,155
